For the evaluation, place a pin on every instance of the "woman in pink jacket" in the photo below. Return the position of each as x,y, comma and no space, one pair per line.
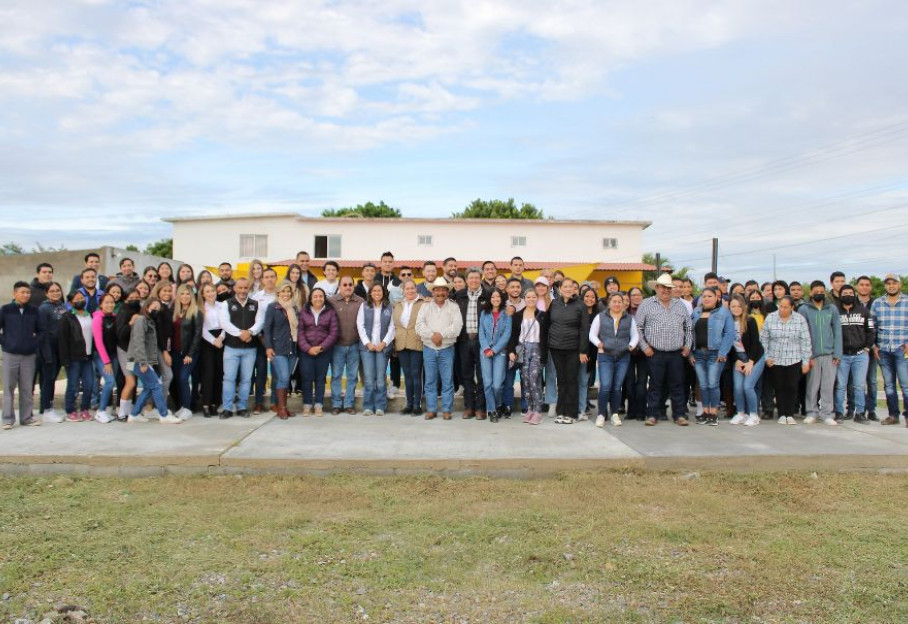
316,334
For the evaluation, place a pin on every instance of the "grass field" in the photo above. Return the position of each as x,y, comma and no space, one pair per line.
588,547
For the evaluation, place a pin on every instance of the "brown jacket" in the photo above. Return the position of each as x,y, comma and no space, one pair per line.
346,318
406,337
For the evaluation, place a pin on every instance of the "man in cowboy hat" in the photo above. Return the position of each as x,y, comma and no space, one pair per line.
666,339
438,325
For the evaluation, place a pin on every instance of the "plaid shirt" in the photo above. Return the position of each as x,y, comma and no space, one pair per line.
786,343
891,322
664,329
472,311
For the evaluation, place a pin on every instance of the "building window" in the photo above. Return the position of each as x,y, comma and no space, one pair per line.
424,240
610,243
518,241
327,246
253,245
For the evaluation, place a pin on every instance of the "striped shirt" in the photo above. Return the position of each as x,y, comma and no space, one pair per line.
786,342
891,322
664,328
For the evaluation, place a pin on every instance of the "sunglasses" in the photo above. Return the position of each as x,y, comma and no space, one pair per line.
406,275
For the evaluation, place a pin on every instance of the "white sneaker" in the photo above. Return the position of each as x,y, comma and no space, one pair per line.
782,420
737,420
600,421
752,421
379,413
138,418
582,417
103,417
184,414
831,422
791,420
52,417
616,420
368,412
810,420
170,419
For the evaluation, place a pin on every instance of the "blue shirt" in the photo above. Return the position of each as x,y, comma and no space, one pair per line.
891,322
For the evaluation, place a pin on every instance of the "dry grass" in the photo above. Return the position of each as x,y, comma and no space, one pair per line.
591,547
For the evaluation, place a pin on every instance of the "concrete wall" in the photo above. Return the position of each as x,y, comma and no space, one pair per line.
68,264
215,240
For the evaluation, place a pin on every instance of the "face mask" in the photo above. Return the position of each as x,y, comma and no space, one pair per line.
818,297
78,305
848,299
755,305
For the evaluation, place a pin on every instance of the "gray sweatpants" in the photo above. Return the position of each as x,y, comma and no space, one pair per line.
821,385
18,370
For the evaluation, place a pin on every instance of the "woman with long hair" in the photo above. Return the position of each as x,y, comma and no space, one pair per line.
104,334
714,335
749,365
317,333
184,346
165,272
374,322
256,270
786,340
186,275
638,369
527,349
279,335
142,355
494,335
205,277
51,310
587,375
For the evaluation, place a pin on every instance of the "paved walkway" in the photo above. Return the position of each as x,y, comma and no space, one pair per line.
395,444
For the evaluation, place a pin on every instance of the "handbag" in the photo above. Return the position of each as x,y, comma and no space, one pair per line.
520,349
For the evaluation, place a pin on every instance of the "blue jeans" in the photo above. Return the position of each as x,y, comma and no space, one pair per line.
551,382
344,360
612,371
261,375
870,397
79,370
182,373
315,372
411,364
507,393
493,371
439,364
375,391
110,381
281,366
151,387
856,366
237,363
746,399
583,387
894,365
709,370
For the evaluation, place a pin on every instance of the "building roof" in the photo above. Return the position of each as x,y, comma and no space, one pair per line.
501,265
298,217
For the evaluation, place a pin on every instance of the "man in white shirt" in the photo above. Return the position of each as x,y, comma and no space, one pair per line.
330,283
438,325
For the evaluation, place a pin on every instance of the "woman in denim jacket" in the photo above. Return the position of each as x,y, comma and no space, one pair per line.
714,336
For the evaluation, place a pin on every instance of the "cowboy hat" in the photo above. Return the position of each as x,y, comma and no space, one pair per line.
441,282
663,280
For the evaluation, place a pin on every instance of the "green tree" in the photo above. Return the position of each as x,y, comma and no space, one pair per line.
877,289
650,258
162,248
11,249
131,247
497,209
39,248
381,210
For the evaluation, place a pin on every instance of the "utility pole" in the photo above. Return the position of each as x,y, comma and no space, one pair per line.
715,255
658,262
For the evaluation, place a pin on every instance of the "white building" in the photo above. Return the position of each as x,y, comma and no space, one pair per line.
275,238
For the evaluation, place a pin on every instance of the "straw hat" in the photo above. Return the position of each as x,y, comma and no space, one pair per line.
663,280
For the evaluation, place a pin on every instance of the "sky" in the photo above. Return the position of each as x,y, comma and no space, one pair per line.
778,127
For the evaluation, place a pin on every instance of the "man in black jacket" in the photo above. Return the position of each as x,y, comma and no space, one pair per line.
858,338
569,328
21,330
44,277
471,300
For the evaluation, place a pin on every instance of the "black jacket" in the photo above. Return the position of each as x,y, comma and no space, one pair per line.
51,315
191,335
164,326
276,330
22,329
569,325
543,319
124,329
858,332
39,292
753,348
72,341
462,299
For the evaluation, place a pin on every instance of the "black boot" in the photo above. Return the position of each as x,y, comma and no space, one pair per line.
494,415
860,418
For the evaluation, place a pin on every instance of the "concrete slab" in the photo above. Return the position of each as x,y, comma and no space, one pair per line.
196,442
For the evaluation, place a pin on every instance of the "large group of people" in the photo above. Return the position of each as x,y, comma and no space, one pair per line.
167,345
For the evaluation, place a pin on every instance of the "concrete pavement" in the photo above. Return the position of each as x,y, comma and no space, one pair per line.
395,444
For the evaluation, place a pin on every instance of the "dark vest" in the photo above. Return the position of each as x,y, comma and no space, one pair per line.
369,318
243,317
615,343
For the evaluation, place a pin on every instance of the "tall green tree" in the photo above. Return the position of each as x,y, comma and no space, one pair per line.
650,258
381,210
497,209
162,248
